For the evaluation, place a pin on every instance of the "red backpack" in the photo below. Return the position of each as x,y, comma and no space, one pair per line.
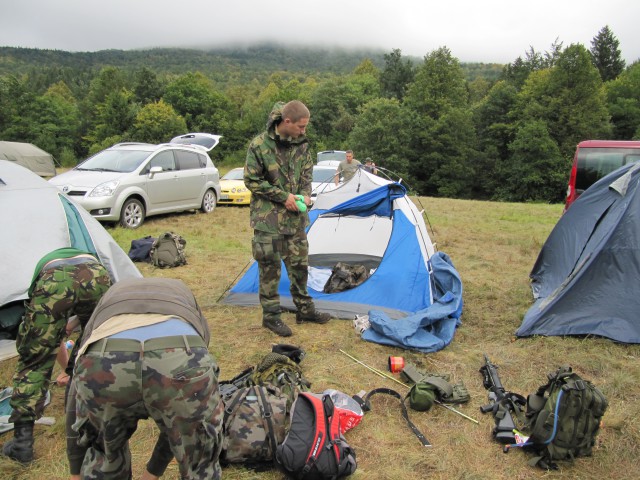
314,448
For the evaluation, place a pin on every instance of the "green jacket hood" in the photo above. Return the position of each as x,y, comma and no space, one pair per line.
275,116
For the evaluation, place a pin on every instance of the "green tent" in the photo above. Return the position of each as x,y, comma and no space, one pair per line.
29,156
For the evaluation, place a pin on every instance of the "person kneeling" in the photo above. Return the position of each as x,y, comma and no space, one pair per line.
144,354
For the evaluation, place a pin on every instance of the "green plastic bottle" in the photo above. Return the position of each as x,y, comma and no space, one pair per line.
300,203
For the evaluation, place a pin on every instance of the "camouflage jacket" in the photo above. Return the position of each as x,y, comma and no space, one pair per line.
275,168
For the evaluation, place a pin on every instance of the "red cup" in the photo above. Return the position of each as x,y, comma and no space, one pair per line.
396,364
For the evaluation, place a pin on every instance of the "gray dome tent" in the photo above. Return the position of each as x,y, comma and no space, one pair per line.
37,219
585,280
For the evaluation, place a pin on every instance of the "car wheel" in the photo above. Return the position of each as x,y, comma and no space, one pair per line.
132,214
209,201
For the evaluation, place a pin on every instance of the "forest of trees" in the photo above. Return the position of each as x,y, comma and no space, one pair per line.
448,129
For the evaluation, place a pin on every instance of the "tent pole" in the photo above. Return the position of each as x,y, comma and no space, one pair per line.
233,281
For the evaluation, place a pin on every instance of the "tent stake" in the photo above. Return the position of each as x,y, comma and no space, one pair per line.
389,377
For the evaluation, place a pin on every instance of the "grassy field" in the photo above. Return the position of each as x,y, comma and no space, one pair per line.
493,246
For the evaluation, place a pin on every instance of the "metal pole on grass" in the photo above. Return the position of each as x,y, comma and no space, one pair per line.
387,376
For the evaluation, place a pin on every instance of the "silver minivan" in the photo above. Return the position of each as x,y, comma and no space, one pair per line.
128,182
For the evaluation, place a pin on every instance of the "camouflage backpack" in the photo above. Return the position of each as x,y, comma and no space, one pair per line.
345,276
168,251
255,421
564,418
257,409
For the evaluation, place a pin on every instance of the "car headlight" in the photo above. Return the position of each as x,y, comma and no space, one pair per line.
239,190
105,189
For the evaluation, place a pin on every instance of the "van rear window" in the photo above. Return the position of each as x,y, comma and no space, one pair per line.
595,163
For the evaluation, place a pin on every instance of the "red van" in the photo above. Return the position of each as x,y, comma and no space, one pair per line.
596,158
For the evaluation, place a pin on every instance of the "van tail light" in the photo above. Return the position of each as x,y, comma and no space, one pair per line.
571,189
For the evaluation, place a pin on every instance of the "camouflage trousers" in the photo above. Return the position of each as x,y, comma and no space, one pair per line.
270,250
59,293
176,387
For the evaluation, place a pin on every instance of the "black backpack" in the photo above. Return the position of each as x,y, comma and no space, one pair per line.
564,418
314,448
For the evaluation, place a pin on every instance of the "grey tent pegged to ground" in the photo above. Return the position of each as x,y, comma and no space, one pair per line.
585,280
29,156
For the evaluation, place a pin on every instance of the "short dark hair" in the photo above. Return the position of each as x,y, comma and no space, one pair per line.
295,110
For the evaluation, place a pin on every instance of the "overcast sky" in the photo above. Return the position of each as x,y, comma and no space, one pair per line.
475,31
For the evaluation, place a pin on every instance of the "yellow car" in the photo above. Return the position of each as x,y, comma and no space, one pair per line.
232,189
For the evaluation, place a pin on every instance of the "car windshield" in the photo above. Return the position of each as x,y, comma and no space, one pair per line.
322,175
115,161
331,155
236,174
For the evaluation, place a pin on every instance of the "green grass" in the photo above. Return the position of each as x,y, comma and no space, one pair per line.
493,246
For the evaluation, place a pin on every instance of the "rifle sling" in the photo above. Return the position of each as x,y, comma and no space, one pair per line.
405,414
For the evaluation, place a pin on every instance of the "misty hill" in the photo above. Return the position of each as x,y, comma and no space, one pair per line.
221,64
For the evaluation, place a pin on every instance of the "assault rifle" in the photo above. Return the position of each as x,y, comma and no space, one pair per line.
502,404
227,387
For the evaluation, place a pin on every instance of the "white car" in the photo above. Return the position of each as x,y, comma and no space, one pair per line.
131,181
323,179
331,155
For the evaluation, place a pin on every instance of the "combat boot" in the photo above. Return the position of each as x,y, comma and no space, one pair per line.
277,326
20,448
314,317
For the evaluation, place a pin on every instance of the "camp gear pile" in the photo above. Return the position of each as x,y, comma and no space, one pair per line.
560,421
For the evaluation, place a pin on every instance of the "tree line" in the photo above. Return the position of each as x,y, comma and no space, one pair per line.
504,135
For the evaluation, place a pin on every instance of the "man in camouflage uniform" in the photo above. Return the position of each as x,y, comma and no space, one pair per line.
66,282
144,354
279,167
